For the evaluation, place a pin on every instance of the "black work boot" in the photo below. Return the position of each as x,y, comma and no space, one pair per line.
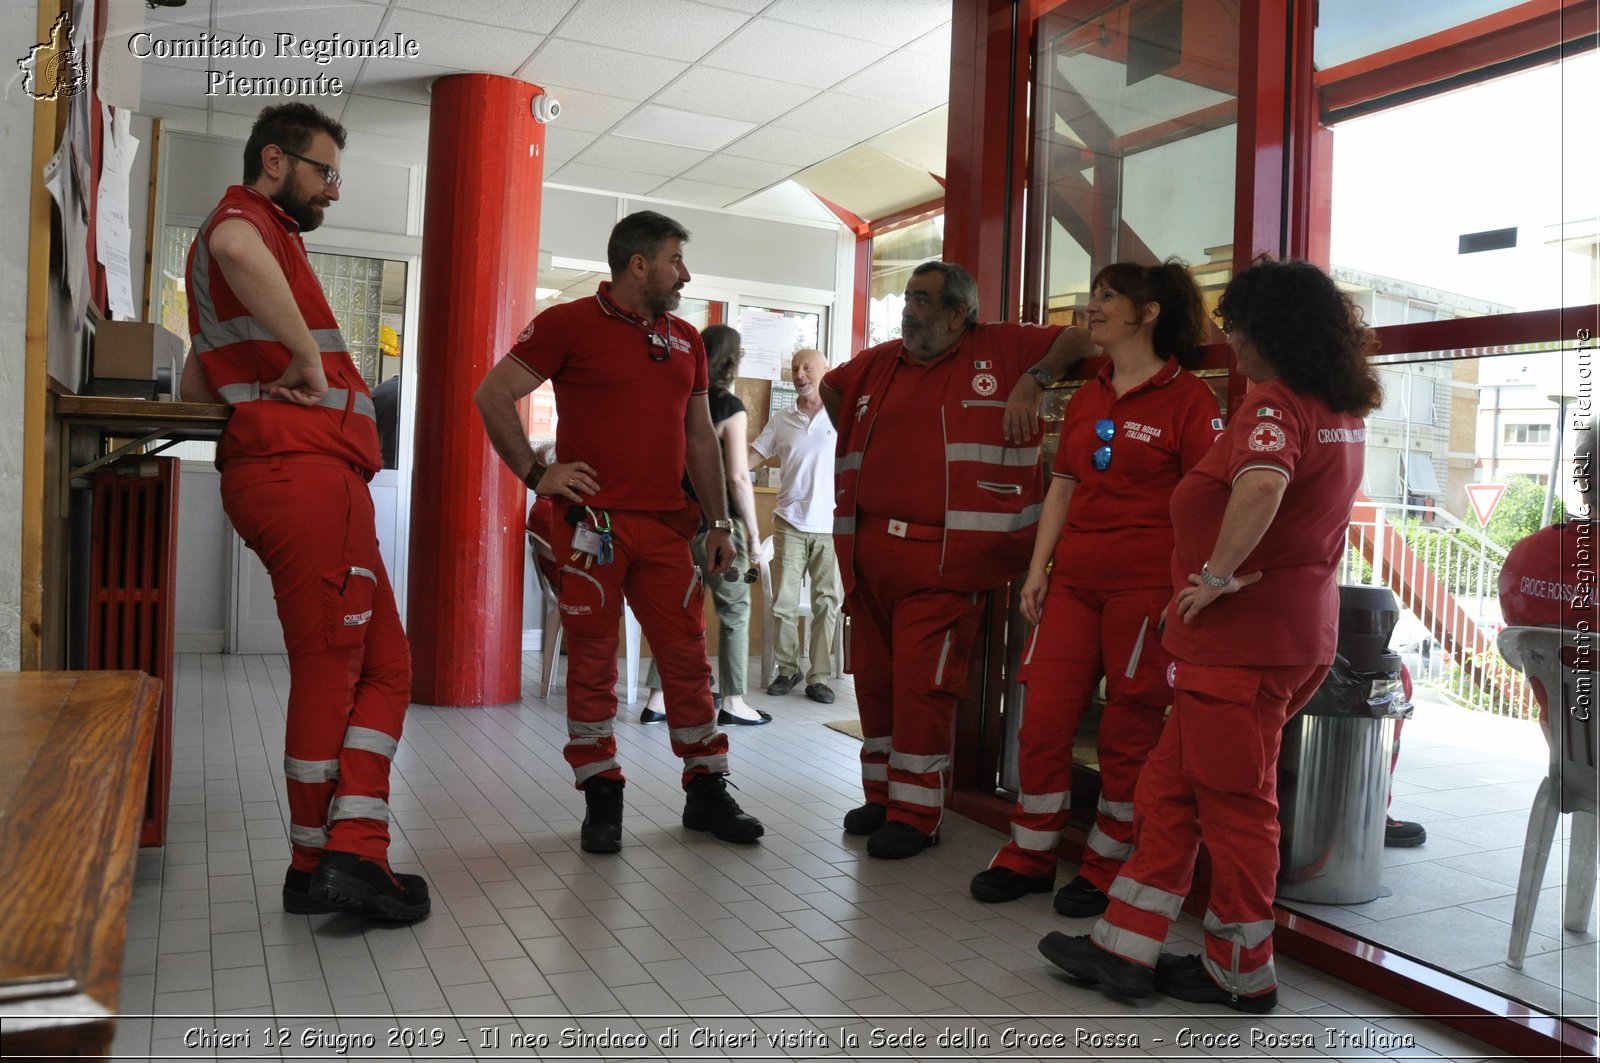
1186,978
710,807
352,883
1088,962
865,819
602,820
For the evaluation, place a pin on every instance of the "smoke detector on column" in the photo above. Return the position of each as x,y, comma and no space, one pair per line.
546,108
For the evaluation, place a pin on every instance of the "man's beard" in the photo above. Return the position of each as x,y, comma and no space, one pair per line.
306,214
662,301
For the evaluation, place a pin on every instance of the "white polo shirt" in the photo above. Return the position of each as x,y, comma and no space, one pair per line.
804,446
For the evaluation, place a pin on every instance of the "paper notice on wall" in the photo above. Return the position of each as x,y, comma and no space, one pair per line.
113,234
119,81
763,337
783,398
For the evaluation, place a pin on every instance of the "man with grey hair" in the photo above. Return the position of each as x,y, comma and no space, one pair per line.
938,490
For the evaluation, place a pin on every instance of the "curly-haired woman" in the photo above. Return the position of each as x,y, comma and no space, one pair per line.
1260,526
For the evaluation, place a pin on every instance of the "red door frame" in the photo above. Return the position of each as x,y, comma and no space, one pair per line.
1281,208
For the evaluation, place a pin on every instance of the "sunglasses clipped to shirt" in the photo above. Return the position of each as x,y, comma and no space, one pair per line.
1106,430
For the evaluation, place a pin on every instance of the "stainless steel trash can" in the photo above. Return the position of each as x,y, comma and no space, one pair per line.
1333,772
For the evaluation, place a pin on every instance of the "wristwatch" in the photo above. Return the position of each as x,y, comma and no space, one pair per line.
722,525
1211,579
1042,376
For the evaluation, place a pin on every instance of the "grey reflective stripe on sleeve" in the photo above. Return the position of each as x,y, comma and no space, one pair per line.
1038,840
881,744
310,770
975,520
928,796
372,741
847,463
589,729
875,772
589,771
1145,898
844,525
1107,846
354,806
1121,811
694,736
199,284
311,837
920,763
336,398
714,765
1125,943
591,579
1045,804
246,329
990,454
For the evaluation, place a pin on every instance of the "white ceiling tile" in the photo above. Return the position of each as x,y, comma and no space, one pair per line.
891,22
739,173
749,7
182,86
392,118
380,148
733,95
588,112
463,45
400,79
849,118
562,143
934,44
700,193
795,147
528,16
673,28
624,181
620,153
233,126
252,105
903,77
633,77
805,56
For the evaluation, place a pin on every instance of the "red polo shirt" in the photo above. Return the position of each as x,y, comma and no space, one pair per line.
618,408
1291,616
902,467
1119,524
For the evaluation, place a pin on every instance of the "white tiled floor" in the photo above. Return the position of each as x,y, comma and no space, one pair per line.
1469,778
679,936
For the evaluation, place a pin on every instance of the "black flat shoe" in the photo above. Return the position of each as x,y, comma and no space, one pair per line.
649,715
726,718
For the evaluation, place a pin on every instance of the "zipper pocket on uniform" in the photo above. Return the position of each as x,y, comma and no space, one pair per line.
1004,489
969,403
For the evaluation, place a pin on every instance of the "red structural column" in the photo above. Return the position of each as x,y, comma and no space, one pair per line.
480,256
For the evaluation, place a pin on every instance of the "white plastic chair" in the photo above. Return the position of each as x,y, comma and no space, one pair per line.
550,639
769,628
1571,783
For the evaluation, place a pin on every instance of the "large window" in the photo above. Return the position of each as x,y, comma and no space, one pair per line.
1135,125
895,253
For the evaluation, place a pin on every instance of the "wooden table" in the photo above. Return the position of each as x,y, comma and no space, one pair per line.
74,761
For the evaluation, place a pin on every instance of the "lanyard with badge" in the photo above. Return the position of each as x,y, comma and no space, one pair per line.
591,536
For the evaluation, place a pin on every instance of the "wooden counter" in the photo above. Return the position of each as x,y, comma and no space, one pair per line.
74,761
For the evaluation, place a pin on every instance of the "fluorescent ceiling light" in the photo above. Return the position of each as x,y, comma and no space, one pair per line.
667,125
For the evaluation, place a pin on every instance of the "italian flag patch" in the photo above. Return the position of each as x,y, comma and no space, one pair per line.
1268,411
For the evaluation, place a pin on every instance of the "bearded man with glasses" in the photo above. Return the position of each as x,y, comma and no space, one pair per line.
295,460
622,522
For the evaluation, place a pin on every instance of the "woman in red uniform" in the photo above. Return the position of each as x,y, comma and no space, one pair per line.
1127,438
1260,527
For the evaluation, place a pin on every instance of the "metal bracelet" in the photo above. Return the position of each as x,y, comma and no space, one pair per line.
1212,580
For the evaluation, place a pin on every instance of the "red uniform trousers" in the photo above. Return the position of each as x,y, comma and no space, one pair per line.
1084,634
651,567
310,520
1213,777
909,646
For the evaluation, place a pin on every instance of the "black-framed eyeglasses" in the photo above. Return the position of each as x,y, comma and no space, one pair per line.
1106,430
330,176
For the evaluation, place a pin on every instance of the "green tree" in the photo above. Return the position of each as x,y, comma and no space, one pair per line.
1517,515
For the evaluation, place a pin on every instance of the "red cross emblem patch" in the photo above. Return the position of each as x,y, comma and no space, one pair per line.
1267,437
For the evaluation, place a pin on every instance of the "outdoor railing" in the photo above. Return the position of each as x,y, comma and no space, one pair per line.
1446,575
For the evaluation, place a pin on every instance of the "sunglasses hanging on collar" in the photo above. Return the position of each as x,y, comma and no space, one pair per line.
660,346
